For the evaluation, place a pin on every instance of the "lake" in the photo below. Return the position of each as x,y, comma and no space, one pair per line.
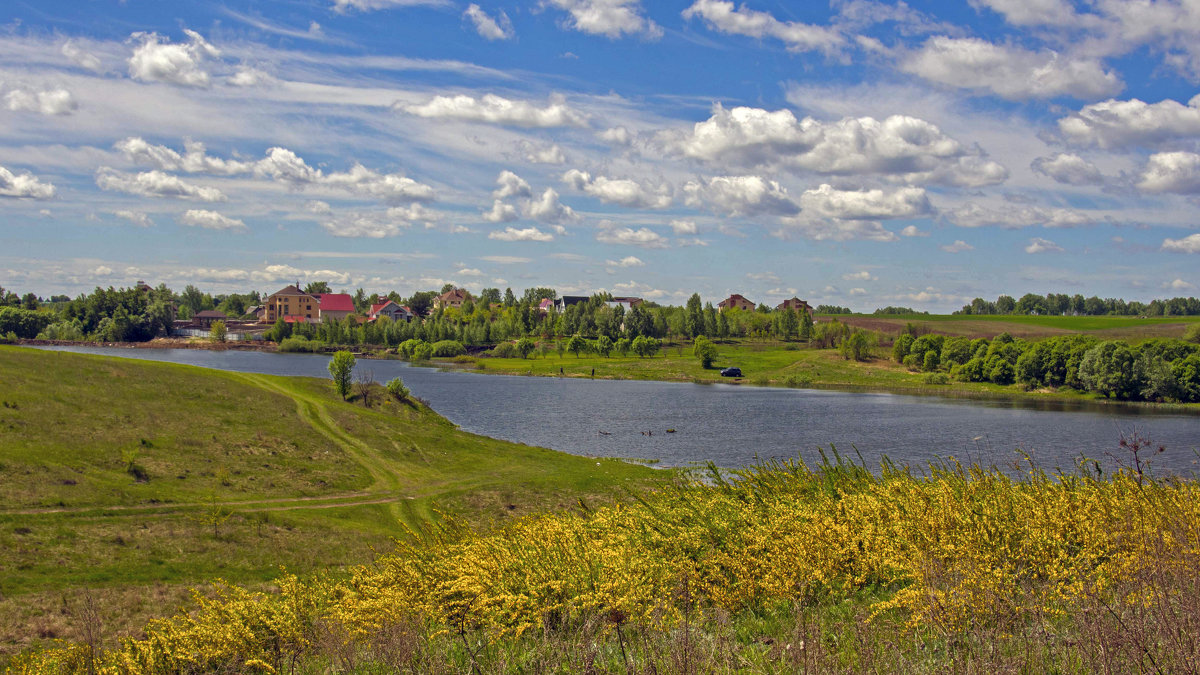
734,425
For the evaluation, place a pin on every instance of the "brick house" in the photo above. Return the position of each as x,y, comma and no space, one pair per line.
452,298
736,300
293,302
796,305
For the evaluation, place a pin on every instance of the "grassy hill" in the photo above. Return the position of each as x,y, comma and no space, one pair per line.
125,482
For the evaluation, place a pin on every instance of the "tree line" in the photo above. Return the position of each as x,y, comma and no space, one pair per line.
1063,304
1160,369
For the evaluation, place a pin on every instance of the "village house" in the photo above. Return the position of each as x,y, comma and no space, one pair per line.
796,305
390,309
205,318
291,302
452,298
626,303
334,306
735,300
567,300
545,305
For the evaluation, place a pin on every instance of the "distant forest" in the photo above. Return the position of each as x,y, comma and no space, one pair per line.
1063,304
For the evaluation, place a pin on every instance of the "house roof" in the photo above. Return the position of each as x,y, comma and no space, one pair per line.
289,290
335,302
375,308
546,303
210,314
453,294
734,298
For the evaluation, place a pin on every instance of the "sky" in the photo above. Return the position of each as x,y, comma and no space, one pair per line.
859,153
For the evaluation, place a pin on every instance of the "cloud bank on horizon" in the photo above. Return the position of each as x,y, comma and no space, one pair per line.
915,158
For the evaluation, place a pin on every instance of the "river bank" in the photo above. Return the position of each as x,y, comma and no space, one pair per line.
764,364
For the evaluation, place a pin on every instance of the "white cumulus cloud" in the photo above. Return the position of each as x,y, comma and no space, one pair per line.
741,196
524,234
627,236
155,184
1039,245
210,220
1068,168
157,60
622,191
627,261
865,204
610,18
1188,244
722,16
1174,172
899,147
136,217
1120,124
49,102
1010,72
499,110
24,186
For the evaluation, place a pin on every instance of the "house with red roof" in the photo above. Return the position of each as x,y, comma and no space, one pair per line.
796,305
334,306
390,309
736,300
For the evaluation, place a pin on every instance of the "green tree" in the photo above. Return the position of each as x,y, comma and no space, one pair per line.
576,344
806,326
341,369
315,287
217,331
604,345
705,351
396,388
1108,369
525,347
623,346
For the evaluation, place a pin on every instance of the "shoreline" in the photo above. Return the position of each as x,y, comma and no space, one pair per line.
933,391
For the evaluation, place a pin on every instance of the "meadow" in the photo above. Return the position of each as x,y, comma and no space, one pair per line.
776,568
125,483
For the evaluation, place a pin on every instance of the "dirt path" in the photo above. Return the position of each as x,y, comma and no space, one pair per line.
386,486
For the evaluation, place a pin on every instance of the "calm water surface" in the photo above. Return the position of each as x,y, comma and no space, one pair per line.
733,425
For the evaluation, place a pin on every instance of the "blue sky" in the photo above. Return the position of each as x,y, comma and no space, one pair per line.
859,153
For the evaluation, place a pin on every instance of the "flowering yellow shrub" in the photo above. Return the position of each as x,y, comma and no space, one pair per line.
958,547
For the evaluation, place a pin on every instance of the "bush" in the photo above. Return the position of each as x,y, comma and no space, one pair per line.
9,338
24,323
299,343
448,348
1192,334
422,352
931,361
408,347
913,362
63,330
218,332
705,351
396,388
504,350
937,378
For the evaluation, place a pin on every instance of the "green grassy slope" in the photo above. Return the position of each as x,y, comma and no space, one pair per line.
118,473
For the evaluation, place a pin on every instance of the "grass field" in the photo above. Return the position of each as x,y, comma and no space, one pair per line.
125,482
1029,327
794,364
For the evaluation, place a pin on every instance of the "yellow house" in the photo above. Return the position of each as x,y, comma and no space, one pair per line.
291,302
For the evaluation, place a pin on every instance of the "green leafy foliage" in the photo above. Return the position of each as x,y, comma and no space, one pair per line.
341,369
